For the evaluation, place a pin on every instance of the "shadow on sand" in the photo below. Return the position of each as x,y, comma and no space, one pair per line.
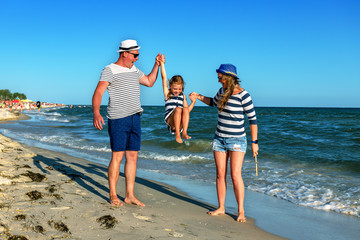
84,179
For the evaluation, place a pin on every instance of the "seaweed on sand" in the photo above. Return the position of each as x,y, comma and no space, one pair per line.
60,226
20,217
107,221
34,195
36,177
39,229
17,237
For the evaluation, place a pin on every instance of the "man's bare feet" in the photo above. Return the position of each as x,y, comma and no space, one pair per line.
134,201
217,212
114,201
241,217
185,136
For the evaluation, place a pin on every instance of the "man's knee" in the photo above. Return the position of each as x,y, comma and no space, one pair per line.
131,155
117,156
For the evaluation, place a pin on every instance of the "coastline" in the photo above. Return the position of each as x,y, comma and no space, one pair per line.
6,115
272,214
71,202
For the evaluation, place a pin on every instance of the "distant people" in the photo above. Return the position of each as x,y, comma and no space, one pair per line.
38,105
177,111
122,80
229,141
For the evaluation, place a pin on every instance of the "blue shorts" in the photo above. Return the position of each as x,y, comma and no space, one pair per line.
235,144
125,133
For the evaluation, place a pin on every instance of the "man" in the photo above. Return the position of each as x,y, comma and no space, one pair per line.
122,80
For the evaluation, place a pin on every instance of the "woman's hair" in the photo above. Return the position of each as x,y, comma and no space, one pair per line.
231,83
177,79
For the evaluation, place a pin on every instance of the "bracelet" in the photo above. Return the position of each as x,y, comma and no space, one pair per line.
256,141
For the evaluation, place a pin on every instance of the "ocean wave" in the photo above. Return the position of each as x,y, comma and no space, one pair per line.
191,145
55,119
68,142
316,194
172,157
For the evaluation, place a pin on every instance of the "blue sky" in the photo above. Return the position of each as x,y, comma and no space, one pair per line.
298,53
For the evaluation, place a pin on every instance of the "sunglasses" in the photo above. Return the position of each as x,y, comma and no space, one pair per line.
134,54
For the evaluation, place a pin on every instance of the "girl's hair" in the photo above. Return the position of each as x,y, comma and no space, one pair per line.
231,83
177,79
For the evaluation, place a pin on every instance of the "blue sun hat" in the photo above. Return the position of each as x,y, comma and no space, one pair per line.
227,69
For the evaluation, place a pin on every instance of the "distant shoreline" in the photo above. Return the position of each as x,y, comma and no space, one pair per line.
255,106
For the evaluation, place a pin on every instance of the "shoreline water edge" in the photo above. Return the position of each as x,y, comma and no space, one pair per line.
50,195
75,190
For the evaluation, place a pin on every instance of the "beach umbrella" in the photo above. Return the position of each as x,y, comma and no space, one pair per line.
15,101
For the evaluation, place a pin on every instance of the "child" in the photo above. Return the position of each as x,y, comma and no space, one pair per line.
177,111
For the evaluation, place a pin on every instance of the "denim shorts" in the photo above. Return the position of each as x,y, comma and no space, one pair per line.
235,144
125,133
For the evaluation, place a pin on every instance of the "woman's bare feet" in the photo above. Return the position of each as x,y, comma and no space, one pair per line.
134,201
115,201
219,211
241,217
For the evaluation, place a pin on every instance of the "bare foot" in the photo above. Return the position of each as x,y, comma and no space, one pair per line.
217,212
134,201
185,136
115,202
178,139
241,217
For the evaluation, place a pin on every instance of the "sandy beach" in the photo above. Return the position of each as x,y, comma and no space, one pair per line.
50,195
7,115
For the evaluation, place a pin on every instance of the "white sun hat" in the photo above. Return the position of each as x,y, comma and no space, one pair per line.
128,45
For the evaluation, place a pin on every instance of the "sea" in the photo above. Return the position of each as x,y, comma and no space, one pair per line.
307,156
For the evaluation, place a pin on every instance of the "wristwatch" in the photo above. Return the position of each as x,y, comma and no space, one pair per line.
256,141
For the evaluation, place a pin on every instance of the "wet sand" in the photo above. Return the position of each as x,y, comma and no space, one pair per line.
50,195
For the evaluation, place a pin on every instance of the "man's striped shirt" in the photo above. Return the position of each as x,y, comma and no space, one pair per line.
124,90
231,120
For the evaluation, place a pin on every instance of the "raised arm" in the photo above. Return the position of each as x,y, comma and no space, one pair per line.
149,80
193,101
164,79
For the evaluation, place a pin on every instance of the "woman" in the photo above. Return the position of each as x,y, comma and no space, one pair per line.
233,102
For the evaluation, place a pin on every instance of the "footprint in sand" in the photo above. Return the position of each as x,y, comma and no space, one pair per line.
173,233
138,216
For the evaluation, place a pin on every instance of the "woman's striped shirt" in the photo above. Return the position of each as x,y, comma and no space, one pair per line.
231,120
124,90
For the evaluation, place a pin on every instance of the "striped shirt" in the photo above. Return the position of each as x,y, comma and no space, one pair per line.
124,90
172,103
231,120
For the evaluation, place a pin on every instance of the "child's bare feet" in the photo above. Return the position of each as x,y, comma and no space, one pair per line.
219,211
134,201
185,136
178,139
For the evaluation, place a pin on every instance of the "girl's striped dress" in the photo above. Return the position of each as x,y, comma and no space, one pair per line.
170,105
